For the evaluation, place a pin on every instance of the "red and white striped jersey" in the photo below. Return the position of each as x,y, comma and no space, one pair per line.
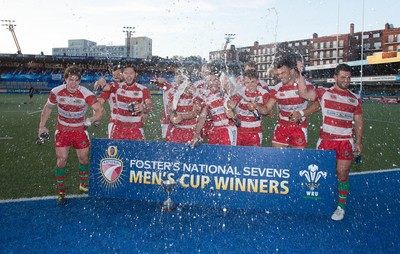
249,122
215,103
200,89
185,104
338,111
72,107
126,95
288,100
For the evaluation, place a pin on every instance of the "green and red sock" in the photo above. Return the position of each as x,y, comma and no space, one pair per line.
61,174
343,191
83,174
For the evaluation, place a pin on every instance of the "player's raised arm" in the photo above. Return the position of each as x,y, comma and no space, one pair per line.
303,92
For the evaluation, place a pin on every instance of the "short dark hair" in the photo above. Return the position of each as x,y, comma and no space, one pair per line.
288,62
251,73
73,70
342,67
130,66
117,67
250,64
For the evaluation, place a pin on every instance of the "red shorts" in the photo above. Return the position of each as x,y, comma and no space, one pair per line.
179,135
290,135
76,139
343,148
249,138
223,136
126,133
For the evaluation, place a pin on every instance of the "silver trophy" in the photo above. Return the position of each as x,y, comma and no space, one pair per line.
168,186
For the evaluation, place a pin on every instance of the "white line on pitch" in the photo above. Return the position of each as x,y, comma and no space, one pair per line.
40,198
34,112
380,121
2,138
375,171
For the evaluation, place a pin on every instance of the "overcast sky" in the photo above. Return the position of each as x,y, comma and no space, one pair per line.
185,27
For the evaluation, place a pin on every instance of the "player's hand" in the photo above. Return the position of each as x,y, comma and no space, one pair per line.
175,119
100,83
97,123
295,117
42,130
229,113
252,106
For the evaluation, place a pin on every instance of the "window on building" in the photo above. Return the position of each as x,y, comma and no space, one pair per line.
315,55
366,36
377,45
340,43
340,52
321,45
315,46
398,38
376,35
390,48
328,54
390,38
334,44
304,43
328,44
297,44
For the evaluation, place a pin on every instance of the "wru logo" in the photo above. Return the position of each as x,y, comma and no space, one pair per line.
313,176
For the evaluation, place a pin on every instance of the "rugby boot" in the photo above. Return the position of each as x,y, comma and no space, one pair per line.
83,188
61,199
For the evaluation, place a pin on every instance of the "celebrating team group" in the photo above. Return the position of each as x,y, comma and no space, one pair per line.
218,107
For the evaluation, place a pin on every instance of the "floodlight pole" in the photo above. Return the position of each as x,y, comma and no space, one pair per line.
9,24
129,30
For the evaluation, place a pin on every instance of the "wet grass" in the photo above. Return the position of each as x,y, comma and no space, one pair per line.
27,168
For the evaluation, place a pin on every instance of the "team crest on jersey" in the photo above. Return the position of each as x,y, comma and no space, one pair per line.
77,101
111,167
351,100
333,96
312,175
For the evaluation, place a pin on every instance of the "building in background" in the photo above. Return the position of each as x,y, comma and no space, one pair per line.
136,47
324,52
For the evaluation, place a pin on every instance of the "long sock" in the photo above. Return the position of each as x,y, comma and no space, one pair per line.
343,190
83,174
61,174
